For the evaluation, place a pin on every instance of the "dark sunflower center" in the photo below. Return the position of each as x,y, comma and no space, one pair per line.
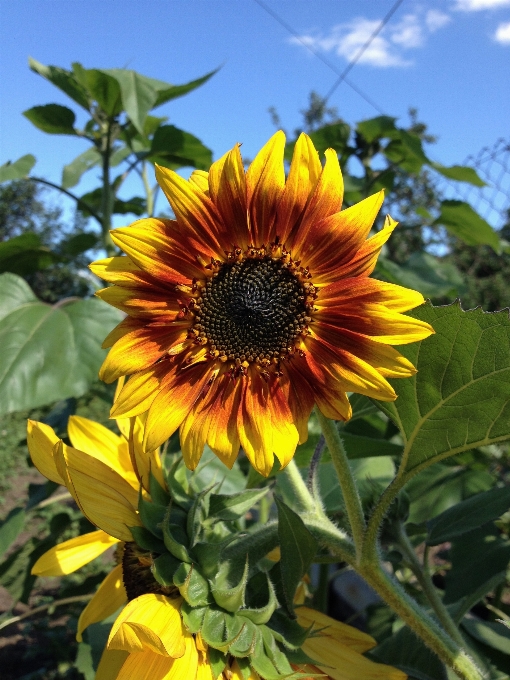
253,309
137,574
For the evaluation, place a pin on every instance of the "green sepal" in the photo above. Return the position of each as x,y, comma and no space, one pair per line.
261,615
274,652
146,540
175,538
209,555
263,665
288,631
192,585
213,627
193,617
164,567
158,494
196,516
234,506
231,598
178,484
233,629
152,515
247,641
298,657
217,661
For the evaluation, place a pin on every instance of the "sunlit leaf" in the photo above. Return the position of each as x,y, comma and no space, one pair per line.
24,254
463,222
172,145
376,128
17,170
62,79
430,275
52,118
460,173
71,174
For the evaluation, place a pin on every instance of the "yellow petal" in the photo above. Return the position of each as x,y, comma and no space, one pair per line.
110,595
71,555
145,462
137,395
41,439
334,631
103,444
149,622
110,664
103,495
201,179
147,665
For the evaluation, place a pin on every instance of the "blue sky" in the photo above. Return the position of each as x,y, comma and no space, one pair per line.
448,58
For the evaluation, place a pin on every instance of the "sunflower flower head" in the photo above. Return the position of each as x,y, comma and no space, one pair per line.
197,599
253,305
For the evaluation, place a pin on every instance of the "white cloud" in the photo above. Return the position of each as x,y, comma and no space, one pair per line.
387,48
477,5
502,34
436,20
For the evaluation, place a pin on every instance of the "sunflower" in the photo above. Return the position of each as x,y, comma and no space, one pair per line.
253,305
172,622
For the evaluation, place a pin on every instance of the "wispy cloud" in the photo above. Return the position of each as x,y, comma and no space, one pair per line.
477,5
387,49
502,34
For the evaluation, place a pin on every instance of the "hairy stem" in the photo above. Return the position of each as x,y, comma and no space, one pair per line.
345,477
427,586
299,488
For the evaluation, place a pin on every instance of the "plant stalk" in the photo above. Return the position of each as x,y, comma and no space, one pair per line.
299,488
352,500
107,202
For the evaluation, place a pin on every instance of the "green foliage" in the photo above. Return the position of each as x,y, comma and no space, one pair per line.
462,221
17,170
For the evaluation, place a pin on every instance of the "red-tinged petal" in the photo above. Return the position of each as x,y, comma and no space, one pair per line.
352,373
304,173
222,436
151,244
363,263
123,328
326,200
227,183
334,240
137,395
195,212
139,350
120,270
285,433
265,181
178,392
384,358
142,303
361,289
254,424
383,324
300,395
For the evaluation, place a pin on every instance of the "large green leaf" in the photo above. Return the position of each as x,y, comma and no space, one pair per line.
24,254
48,352
459,399
72,172
375,128
489,633
406,150
138,93
180,148
460,173
18,169
463,222
62,79
101,87
430,275
52,118
167,92
468,515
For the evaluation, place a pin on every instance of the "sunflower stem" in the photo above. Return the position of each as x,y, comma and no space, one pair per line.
299,487
350,493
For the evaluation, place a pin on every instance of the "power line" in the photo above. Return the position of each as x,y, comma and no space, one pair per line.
363,48
327,62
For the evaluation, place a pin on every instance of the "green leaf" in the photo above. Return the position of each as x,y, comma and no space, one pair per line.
24,255
179,148
138,93
10,528
52,118
71,174
463,222
430,275
298,548
460,608
408,652
18,169
217,661
78,244
489,633
459,399
475,557
94,200
232,507
102,87
406,150
227,595
375,128
62,79
175,538
48,352
468,515
146,540
152,516
164,567
193,617
167,92
192,585
460,173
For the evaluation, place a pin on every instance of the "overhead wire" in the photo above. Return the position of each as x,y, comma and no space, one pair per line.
342,75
